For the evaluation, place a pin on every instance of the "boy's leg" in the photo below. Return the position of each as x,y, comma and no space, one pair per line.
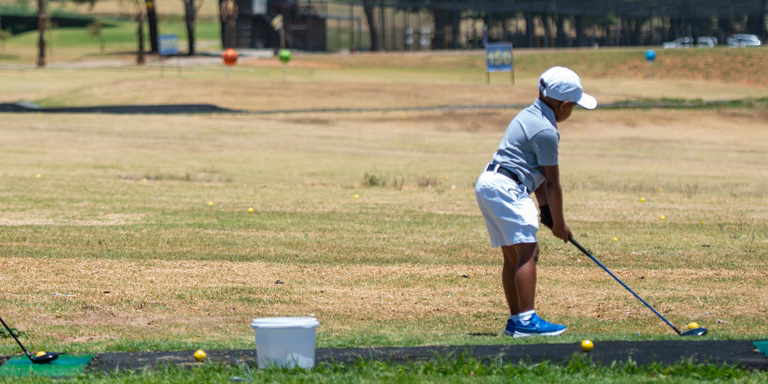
519,280
519,276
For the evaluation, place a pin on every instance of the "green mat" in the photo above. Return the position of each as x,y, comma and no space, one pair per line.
65,365
762,346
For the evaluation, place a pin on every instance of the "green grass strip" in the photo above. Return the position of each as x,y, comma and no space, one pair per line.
440,370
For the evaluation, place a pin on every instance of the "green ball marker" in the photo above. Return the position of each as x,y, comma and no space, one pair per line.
284,55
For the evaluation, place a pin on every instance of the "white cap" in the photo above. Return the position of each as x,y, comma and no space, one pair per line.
563,84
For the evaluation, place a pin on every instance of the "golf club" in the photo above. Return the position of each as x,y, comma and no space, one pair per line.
692,332
42,359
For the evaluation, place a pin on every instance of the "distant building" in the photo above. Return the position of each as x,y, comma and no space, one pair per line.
304,27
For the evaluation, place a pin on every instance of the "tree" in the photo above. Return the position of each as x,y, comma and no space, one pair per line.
228,12
140,60
4,36
368,9
94,29
152,21
41,22
190,14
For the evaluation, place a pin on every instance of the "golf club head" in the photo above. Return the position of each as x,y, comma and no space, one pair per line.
46,358
695,332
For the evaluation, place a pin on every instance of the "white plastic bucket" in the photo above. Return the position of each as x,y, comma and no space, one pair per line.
285,341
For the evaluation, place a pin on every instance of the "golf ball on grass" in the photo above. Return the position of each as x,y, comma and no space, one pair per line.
693,325
587,345
662,217
200,355
250,210
642,199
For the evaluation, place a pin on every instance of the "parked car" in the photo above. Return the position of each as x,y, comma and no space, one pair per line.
743,40
682,42
706,41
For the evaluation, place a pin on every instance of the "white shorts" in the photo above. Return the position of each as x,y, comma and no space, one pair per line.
510,213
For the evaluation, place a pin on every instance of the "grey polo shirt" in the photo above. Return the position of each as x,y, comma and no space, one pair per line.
530,142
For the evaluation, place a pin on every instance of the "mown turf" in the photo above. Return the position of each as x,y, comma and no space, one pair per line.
441,369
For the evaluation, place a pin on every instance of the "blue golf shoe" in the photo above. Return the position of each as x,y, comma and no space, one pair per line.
536,327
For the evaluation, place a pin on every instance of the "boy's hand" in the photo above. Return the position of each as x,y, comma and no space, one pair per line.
562,232
545,216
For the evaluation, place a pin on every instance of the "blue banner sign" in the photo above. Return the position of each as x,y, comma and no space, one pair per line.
168,44
498,57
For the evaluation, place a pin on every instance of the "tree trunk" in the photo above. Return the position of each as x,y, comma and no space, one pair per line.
369,16
152,21
530,30
189,18
580,41
228,12
545,22
41,36
443,21
140,60
560,41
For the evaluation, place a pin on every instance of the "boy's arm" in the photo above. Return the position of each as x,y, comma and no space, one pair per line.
554,193
541,194
545,214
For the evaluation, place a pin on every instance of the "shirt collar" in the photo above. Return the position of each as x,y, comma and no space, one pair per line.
546,111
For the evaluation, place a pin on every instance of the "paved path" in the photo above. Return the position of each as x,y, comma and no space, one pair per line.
166,109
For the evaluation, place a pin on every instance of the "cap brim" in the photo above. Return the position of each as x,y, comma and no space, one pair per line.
587,101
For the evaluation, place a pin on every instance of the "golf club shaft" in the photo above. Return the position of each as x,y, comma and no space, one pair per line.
14,337
582,249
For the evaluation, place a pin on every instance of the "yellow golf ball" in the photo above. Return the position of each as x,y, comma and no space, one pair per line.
615,239
210,203
357,196
642,199
200,355
662,217
250,210
693,325
39,353
587,345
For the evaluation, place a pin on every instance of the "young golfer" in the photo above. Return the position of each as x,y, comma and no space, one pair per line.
526,162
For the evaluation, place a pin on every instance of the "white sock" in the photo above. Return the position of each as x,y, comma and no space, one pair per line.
524,317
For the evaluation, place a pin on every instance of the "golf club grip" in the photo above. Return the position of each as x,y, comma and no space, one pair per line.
583,250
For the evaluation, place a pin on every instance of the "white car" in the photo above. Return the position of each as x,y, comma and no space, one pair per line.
706,42
683,42
743,40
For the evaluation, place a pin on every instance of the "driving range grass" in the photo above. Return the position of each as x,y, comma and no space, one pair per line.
115,243
109,242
